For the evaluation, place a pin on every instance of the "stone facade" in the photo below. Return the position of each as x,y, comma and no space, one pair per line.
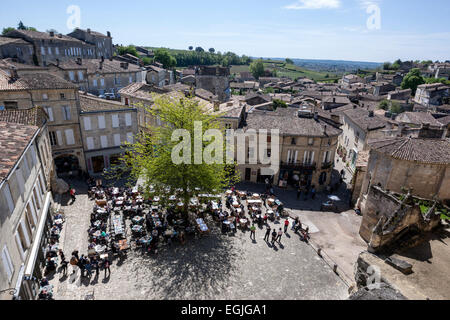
105,127
17,49
24,214
49,47
103,43
215,80
429,95
390,221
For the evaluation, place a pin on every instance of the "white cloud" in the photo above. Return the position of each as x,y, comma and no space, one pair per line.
314,4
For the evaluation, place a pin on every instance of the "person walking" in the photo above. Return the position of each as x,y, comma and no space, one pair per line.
106,265
72,194
313,192
96,266
280,233
274,236
266,237
253,231
88,268
299,193
286,225
64,264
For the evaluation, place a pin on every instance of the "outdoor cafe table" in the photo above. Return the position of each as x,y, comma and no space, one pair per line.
254,202
119,203
138,219
172,198
241,193
229,192
256,196
137,228
100,248
270,201
117,224
236,204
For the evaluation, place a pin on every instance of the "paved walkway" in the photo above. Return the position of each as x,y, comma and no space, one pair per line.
214,267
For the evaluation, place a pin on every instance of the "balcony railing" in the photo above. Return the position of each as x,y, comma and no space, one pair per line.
298,166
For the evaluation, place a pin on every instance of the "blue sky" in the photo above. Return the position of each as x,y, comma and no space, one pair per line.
309,29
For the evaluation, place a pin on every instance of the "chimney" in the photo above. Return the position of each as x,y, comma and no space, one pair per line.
57,62
108,34
79,61
14,75
52,33
334,100
60,35
101,65
371,114
89,31
103,59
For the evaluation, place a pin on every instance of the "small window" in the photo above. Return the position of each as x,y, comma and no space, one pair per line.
44,96
310,141
62,96
293,142
53,140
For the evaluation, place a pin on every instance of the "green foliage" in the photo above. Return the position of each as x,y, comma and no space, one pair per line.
269,90
412,80
150,157
163,56
384,105
277,103
257,69
147,61
434,80
289,61
21,26
395,108
199,49
193,58
6,30
128,50
212,50
191,48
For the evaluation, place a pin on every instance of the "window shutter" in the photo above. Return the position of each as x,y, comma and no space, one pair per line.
115,120
20,180
69,137
7,263
288,156
87,123
7,194
101,122
19,245
128,119
90,143
130,137
25,233
296,156
117,139
49,113
59,138
33,155
104,141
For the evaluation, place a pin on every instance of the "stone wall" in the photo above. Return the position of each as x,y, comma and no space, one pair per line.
388,221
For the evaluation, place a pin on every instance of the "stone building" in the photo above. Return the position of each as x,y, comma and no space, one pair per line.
105,126
99,76
35,117
48,46
431,95
103,43
359,126
392,221
382,88
25,217
16,48
307,147
60,100
156,76
422,165
215,80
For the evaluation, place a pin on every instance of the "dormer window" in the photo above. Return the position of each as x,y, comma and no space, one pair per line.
62,96
310,141
293,142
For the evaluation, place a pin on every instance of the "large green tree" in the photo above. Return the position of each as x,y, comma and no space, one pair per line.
163,56
151,157
6,30
128,49
412,80
257,69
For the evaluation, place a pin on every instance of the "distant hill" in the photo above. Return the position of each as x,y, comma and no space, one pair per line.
336,66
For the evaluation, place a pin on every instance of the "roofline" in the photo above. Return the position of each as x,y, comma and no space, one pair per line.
5,179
